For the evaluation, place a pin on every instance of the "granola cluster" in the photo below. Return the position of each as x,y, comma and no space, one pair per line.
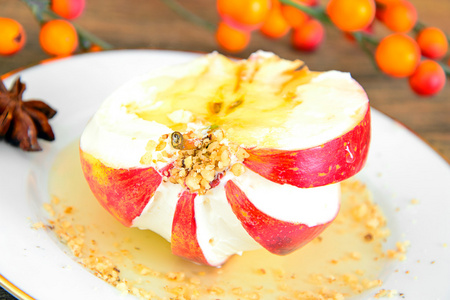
201,160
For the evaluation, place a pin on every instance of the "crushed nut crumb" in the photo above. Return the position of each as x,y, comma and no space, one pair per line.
198,161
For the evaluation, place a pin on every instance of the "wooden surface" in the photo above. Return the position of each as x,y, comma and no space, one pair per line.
150,24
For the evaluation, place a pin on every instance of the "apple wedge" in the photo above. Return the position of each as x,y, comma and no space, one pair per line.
221,156
124,193
331,162
277,236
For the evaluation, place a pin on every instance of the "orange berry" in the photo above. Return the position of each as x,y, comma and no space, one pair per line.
432,42
58,37
275,26
428,79
308,2
69,9
231,39
351,15
400,16
309,36
12,36
397,55
385,2
95,48
293,16
243,14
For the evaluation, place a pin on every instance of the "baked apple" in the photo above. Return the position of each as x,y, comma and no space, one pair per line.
221,156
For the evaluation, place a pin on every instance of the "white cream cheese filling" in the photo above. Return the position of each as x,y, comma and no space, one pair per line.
219,232
311,206
331,104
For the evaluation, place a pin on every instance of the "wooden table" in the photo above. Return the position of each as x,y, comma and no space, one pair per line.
150,24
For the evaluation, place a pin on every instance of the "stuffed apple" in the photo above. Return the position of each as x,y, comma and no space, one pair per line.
221,156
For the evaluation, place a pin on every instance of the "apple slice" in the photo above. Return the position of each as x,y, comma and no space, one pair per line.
124,193
260,209
279,237
331,162
184,230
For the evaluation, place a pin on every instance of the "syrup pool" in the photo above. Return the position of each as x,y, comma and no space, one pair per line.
344,262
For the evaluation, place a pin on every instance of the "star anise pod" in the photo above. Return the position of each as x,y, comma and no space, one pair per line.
23,122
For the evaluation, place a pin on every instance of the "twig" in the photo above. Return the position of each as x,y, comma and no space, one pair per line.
445,67
363,39
42,13
318,13
189,16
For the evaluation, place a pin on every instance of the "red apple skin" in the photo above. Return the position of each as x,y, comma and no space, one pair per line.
184,241
332,162
124,193
278,237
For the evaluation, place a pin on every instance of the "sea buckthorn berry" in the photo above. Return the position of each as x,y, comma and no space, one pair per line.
400,16
397,55
12,36
351,15
275,26
95,48
309,2
293,16
243,14
231,39
432,42
309,36
68,9
385,2
428,79
58,37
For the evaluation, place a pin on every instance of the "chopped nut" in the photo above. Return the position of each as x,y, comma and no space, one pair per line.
188,162
368,237
146,159
38,225
237,169
55,200
208,173
151,145
242,154
236,291
196,168
161,145
175,276
49,209
215,290
355,255
225,158
193,181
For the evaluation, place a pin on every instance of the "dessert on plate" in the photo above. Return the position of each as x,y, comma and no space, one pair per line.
221,156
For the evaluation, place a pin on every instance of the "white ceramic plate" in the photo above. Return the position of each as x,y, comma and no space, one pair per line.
32,265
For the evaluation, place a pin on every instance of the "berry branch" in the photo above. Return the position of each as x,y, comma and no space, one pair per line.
317,13
43,13
188,15
413,50
420,59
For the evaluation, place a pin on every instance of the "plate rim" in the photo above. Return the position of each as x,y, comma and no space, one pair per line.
21,294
